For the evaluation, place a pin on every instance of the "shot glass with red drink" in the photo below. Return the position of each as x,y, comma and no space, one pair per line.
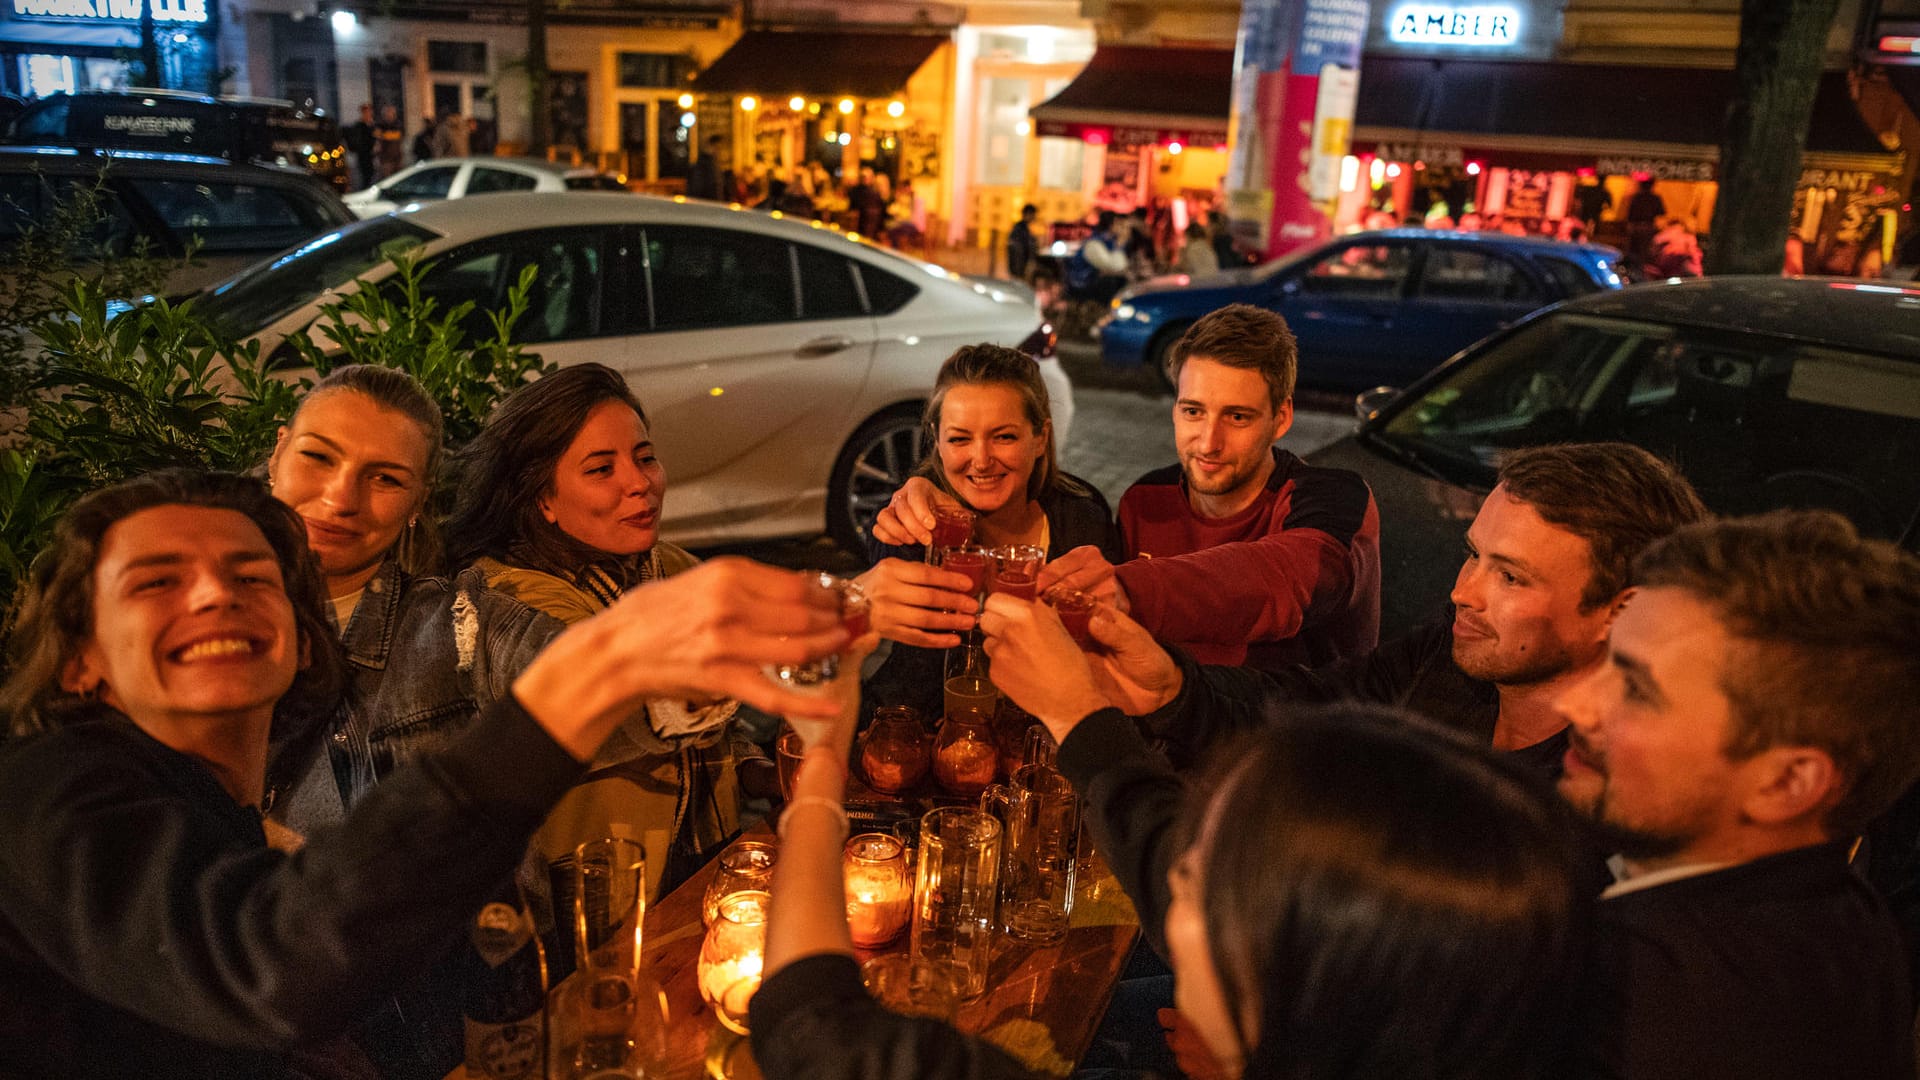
952,528
1075,609
975,562
1016,570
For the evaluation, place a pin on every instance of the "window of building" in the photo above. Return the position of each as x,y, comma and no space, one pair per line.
464,57
643,70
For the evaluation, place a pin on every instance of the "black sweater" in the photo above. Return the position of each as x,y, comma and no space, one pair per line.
1415,671
147,930
813,1019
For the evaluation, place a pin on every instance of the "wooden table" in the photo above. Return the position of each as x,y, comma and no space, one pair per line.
1042,1005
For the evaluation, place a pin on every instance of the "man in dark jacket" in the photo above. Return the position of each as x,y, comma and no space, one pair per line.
1754,713
1020,243
703,176
359,138
1545,572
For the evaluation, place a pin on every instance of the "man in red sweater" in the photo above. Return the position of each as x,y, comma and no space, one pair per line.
1242,553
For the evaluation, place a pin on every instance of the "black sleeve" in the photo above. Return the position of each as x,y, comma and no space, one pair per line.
1217,701
1082,521
1132,798
153,901
814,1020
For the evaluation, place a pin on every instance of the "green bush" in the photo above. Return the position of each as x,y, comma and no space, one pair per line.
114,396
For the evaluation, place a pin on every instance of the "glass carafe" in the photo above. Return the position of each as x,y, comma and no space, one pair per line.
894,750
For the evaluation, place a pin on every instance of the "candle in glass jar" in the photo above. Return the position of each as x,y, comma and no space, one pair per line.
879,894
733,956
731,984
966,766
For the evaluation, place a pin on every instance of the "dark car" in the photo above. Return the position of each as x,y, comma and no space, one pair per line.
261,131
228,215
1766,392
1373,307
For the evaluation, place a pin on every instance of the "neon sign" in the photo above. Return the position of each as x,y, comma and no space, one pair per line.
1478,25
164,11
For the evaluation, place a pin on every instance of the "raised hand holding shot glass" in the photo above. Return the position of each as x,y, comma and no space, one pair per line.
814,676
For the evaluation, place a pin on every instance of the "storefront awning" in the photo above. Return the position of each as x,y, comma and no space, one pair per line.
779,63
1135,94
20,35
1559,116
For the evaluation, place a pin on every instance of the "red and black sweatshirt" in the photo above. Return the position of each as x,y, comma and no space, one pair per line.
1292,579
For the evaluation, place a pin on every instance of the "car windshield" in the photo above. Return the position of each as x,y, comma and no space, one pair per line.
1756,421
254,299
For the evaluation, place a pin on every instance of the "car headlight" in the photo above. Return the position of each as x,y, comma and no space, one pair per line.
1123,312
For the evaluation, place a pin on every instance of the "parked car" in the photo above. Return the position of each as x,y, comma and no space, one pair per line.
784,365
228,215
1370,308
456,178
260,131
1766,392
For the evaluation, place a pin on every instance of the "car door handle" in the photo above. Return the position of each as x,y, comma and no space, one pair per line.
824,346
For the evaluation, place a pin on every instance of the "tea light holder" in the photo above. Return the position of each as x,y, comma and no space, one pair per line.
879,888
734,956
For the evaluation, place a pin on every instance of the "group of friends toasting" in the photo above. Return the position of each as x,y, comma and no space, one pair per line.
276,738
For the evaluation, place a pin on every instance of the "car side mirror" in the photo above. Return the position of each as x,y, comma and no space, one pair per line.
1367,404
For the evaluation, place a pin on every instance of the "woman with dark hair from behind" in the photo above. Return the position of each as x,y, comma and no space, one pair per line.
991,449
559,507
147,928
1352,894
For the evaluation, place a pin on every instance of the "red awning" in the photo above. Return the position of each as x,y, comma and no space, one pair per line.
1130,94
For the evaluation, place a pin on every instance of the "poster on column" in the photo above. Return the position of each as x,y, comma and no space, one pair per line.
1294,96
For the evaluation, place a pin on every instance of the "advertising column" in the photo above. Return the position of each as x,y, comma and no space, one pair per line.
1296,75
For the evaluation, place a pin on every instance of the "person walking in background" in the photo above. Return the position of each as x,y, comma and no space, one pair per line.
452,137
1644,212
1021,244
359,139
1197,257
422,147
388,153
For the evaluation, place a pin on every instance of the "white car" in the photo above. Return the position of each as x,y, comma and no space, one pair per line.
784,366
457,178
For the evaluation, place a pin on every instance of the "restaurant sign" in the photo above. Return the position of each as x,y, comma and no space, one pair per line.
1473,25
1657,168
164,11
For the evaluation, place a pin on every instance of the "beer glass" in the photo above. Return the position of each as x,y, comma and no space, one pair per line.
954,891
1036,891
606,1026
609,898
970,693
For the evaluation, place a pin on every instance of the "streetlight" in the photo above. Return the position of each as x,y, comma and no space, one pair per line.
686,101
896,109
846,106
749,103
796,103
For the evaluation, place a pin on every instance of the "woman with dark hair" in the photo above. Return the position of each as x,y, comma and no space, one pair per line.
559,508
1349,894
147,928
989,434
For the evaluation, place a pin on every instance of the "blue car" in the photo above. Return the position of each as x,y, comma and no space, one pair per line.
1372,308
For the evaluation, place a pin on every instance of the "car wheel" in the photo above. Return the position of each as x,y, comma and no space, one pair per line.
876,461
1160,351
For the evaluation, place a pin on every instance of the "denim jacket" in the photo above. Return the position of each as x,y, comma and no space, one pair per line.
426,655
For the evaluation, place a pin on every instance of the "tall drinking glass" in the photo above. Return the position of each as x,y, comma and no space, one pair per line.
970,693
954,892
787,752
1036,895
609,898
606,1026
